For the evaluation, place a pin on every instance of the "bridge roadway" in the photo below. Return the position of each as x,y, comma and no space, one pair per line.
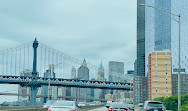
40,81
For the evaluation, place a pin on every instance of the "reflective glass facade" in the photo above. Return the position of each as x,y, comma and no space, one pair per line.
140,39
161,32
162,25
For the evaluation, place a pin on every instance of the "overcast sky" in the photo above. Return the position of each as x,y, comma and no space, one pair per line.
92,29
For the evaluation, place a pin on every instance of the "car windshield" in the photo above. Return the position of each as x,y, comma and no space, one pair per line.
63,103
118,105
155,104
50,102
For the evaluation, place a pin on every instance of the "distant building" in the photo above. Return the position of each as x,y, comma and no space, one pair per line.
160,74
53,90
24,90
135,68
74,90
93,90
100,73
83,71
184,84
129,78
73,73
116,71
100,93
140,89
83,74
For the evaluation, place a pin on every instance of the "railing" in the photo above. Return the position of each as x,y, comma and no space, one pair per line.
28,81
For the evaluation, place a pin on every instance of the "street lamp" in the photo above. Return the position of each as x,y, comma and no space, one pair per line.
179,67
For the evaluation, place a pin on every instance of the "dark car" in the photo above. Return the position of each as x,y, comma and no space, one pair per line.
117,106
153,106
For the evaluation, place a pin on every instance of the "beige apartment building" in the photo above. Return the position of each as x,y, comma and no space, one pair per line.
159,74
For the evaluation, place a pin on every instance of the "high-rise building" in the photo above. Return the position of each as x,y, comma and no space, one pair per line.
140,39
160,74
100,93
116,71
83,74
83,71
184,84
140,89
157,28
156,31
52,90
74,90
73,73
100,73
24,90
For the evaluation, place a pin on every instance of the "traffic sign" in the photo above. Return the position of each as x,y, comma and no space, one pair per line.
179,70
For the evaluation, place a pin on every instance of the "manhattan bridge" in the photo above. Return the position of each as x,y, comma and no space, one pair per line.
37,57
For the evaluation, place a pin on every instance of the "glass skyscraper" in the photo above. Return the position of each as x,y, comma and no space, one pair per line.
157,28
116,71
140,39
160,32
157,31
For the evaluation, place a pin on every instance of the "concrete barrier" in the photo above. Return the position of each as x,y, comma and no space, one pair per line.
23,108
40,108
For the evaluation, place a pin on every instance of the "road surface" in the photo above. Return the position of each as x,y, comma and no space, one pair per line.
99,109
103,109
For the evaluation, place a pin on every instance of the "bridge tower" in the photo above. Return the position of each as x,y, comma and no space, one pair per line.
34,73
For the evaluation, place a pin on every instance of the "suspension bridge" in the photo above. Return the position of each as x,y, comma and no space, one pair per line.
33,56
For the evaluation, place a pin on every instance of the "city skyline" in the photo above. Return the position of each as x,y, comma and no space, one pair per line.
55,24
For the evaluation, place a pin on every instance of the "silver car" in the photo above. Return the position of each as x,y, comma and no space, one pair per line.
117,106
49,103
61,105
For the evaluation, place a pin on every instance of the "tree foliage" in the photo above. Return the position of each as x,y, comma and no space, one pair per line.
159,99
171,103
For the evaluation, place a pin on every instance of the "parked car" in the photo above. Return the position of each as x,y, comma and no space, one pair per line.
131,107
153,106
61,105
49,103
117,106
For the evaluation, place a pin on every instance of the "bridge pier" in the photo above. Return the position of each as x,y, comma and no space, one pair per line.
34,73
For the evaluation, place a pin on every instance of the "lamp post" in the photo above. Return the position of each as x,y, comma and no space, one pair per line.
179,67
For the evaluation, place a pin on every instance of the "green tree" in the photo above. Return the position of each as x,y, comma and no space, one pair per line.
184,107
159,99
171,103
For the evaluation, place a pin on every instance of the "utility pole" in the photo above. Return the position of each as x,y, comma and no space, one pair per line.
179,76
